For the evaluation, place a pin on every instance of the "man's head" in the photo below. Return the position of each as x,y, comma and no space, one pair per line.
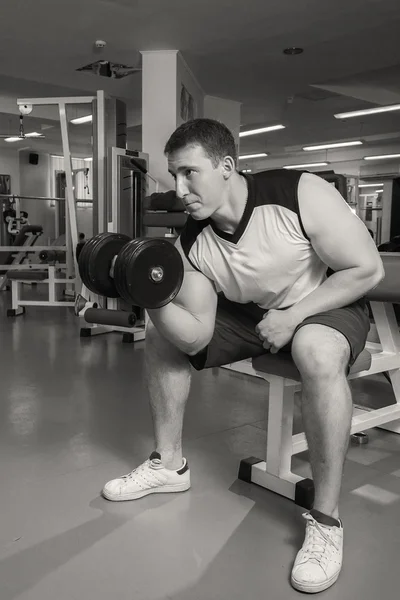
202,159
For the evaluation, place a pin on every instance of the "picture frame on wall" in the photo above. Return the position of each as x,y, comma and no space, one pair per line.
188,108
5,184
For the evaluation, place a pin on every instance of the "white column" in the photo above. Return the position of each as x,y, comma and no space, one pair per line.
159,100
164,74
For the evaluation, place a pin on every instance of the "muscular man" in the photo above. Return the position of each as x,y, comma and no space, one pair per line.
273,262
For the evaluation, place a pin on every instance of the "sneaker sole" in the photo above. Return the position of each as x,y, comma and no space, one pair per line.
309,588
182,487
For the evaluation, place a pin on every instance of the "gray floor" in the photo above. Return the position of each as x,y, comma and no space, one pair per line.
74,414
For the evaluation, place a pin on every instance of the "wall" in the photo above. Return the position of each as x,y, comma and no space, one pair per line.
9,165
227,112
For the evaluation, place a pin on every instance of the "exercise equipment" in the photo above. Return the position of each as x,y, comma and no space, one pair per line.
18,253
145,272
52,256
95,261
148,272
119,318
383,356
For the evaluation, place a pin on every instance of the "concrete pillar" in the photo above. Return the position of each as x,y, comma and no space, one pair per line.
166,79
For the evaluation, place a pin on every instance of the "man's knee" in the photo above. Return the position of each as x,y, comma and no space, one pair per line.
320,352
155,341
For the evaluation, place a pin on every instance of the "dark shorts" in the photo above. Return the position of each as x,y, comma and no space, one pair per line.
235,338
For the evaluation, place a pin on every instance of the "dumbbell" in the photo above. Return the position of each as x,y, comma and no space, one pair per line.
145,272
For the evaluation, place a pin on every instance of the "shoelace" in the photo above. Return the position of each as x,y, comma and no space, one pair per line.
153,464
315,549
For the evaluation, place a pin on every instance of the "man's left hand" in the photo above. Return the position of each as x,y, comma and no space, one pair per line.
276,329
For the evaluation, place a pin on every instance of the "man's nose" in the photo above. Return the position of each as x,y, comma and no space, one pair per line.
181,188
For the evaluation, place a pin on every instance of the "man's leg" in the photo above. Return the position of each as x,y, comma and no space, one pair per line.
321,355
168,377
167,374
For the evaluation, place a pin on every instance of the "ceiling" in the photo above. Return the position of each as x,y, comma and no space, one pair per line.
351,60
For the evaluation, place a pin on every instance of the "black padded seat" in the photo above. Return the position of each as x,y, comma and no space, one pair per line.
20,239
164,219
28,275
282,365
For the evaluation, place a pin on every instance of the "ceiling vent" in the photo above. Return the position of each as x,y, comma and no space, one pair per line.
105,68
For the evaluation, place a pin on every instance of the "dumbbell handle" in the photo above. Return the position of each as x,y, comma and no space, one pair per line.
156,274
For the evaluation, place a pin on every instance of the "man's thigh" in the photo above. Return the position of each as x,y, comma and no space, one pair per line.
349,324
235,338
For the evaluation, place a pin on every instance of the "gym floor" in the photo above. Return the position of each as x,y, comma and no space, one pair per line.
74,414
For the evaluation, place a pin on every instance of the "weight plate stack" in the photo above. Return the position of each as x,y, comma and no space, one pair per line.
95,262
148,272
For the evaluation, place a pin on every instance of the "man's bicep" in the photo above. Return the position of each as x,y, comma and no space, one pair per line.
338,236
197,294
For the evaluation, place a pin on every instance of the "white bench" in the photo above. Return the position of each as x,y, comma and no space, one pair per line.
47,275
383,356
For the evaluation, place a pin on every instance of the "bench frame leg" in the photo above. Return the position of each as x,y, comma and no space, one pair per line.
275,472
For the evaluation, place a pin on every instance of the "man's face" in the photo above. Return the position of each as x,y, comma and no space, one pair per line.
200,186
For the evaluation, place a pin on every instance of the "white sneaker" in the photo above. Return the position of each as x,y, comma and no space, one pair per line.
318,563
149,478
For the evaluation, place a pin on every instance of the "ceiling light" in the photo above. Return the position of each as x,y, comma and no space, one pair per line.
378,191
246,170
382,157
245,156
364,185
321,164
292,51
80,120
261,130
336,145
367,111
90,158
33,134
13,139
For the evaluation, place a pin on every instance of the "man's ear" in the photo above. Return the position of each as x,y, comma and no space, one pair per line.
228,167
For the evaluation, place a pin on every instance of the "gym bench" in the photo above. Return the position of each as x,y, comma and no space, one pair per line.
382,356
47,276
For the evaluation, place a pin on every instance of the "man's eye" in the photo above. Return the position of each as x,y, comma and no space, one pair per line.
188,172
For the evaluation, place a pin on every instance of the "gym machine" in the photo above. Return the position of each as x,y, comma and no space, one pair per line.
100,307
19,269
130,268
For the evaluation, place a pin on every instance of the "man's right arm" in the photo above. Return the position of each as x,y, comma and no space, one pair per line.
188,321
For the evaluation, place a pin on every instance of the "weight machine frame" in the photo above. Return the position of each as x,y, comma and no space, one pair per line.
88,299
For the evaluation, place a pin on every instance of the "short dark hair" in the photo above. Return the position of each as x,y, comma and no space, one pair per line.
214,137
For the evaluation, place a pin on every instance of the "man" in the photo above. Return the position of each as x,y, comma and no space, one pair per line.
80,244
256,251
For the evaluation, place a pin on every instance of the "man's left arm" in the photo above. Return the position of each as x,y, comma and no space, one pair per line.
342,242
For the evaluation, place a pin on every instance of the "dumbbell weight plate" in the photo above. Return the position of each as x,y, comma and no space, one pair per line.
148,272
95,262
84,261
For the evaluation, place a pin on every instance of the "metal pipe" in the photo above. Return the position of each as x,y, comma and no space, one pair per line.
71,224
30,249
43,198
47,101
